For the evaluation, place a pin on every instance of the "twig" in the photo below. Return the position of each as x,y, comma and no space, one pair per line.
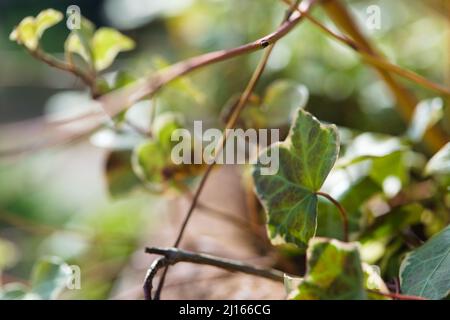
435,137
396,296
68,67
231,123
344,215
115,102
375,60
172,256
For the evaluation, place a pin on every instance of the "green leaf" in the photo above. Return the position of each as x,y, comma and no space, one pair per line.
369,146
386,159
14,291
289,196
426,115
107,43
49,277
353,199
152,159
425,272
334,272
30,29
98,48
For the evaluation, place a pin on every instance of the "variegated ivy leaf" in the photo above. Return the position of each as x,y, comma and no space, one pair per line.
425,272
31,29
107,44
334,272
152,160
99,49
372,282
289,196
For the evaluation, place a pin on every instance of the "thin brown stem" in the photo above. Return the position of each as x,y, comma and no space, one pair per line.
396,296
375,60
115,102
172,256
88,79
343,213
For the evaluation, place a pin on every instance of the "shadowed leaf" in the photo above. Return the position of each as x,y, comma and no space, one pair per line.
334,272
288,196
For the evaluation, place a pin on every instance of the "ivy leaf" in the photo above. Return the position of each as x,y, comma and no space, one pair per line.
425,272
289,196
334,272
30,29
49,277
152,159
100,48
107,43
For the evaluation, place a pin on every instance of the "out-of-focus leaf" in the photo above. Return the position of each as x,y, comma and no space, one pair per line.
152,160
281,100
119,174
49,277
277,108
390,172
30,29
334,272
329,220
79,41
383,158
107,43
440,163
368,146
14,291
100,48
289,195
8,254
425,272
123,139
392,223
426,115
374,282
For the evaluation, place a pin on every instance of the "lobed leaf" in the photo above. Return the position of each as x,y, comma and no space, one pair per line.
107,43
30,29
289,195
334,272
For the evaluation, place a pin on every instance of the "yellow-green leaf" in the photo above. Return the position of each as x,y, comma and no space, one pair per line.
107,43
79,41
334,272
30,29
